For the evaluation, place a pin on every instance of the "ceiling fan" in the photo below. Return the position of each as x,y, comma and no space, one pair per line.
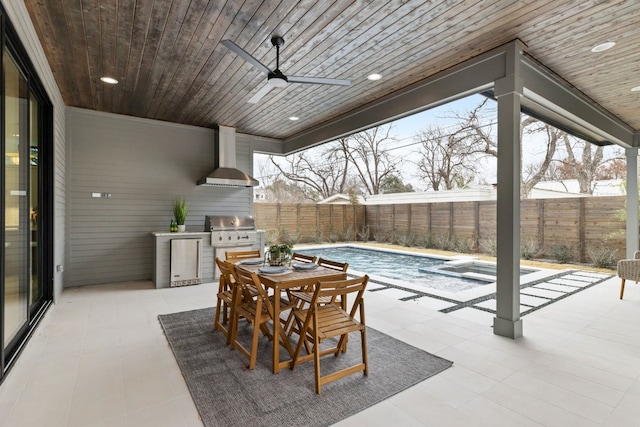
276,78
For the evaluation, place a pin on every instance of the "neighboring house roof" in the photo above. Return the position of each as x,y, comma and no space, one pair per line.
543,190
611,187
338,199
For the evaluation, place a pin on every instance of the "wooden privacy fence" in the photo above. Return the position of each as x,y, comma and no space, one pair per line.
309,223
577,224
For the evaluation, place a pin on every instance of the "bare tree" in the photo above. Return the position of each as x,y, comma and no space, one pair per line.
445,162
535,172
322,170
592,163
371,161
449,159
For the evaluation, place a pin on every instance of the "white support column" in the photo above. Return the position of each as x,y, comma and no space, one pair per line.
508,91
632,201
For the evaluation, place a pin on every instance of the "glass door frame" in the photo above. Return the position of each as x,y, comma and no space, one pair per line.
45,198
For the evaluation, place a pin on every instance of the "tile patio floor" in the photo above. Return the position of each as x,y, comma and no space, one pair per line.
99,358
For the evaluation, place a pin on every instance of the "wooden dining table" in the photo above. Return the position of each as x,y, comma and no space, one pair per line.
292,278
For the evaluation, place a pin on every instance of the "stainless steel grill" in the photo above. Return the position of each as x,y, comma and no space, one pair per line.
231,231
228,223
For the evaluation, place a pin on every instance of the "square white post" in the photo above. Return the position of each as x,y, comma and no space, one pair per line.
632,201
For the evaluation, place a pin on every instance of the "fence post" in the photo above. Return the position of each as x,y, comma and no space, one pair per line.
451,221
278,218
541,224
582,237
476,226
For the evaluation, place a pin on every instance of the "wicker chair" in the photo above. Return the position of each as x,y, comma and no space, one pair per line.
629,269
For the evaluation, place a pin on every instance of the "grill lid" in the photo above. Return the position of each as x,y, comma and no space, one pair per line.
228,222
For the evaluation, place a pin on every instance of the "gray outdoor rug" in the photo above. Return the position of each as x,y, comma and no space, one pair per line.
226,394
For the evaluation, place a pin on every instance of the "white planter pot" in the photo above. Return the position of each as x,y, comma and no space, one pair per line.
181,228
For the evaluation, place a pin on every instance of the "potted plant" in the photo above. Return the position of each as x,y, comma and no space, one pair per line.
279,254
180,210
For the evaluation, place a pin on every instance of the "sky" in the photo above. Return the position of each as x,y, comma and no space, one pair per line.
405,147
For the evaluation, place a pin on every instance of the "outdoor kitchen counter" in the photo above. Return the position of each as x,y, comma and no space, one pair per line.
162,255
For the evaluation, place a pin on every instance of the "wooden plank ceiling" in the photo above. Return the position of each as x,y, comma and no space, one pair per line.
171,66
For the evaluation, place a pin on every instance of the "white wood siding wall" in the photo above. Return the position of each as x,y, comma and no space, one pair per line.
144,165
19,17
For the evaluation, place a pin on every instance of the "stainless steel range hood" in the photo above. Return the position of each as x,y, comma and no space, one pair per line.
225,173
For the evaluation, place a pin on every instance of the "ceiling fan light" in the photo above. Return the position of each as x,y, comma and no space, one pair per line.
277,82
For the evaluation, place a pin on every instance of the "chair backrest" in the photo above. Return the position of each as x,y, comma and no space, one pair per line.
338,290
240,255
226,274
303,258
340,266
251,285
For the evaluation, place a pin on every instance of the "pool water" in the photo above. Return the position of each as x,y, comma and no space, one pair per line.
396,265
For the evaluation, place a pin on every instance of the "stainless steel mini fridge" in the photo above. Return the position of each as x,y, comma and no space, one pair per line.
186,262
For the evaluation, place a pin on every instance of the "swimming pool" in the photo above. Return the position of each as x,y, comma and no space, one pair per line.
436,273
398,266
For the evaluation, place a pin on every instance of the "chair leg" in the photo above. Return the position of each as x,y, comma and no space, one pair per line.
621,288
316,358
254,346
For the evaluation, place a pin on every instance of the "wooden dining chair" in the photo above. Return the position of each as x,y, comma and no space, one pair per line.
321,321
258,311
224,321
336,265
235,256
300,296
303,257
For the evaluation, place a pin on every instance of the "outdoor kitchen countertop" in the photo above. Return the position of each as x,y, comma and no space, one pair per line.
177,233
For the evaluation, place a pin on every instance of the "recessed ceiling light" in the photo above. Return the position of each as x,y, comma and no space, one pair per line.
294,118
635,89
109,80
374,77
603,46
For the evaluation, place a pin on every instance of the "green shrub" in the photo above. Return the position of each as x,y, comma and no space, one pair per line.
271,237
463,245
349,235
380,237
529,249
318,237
602,256
562,252
363,234
290,238
443,242
405,239
428,241
489,245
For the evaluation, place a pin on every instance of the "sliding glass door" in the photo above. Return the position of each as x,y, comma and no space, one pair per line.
26,213
16,201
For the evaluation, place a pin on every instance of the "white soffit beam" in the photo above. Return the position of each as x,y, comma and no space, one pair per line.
572,107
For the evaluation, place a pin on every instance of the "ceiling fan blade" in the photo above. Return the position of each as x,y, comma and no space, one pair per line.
318,80
259,94
244,55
